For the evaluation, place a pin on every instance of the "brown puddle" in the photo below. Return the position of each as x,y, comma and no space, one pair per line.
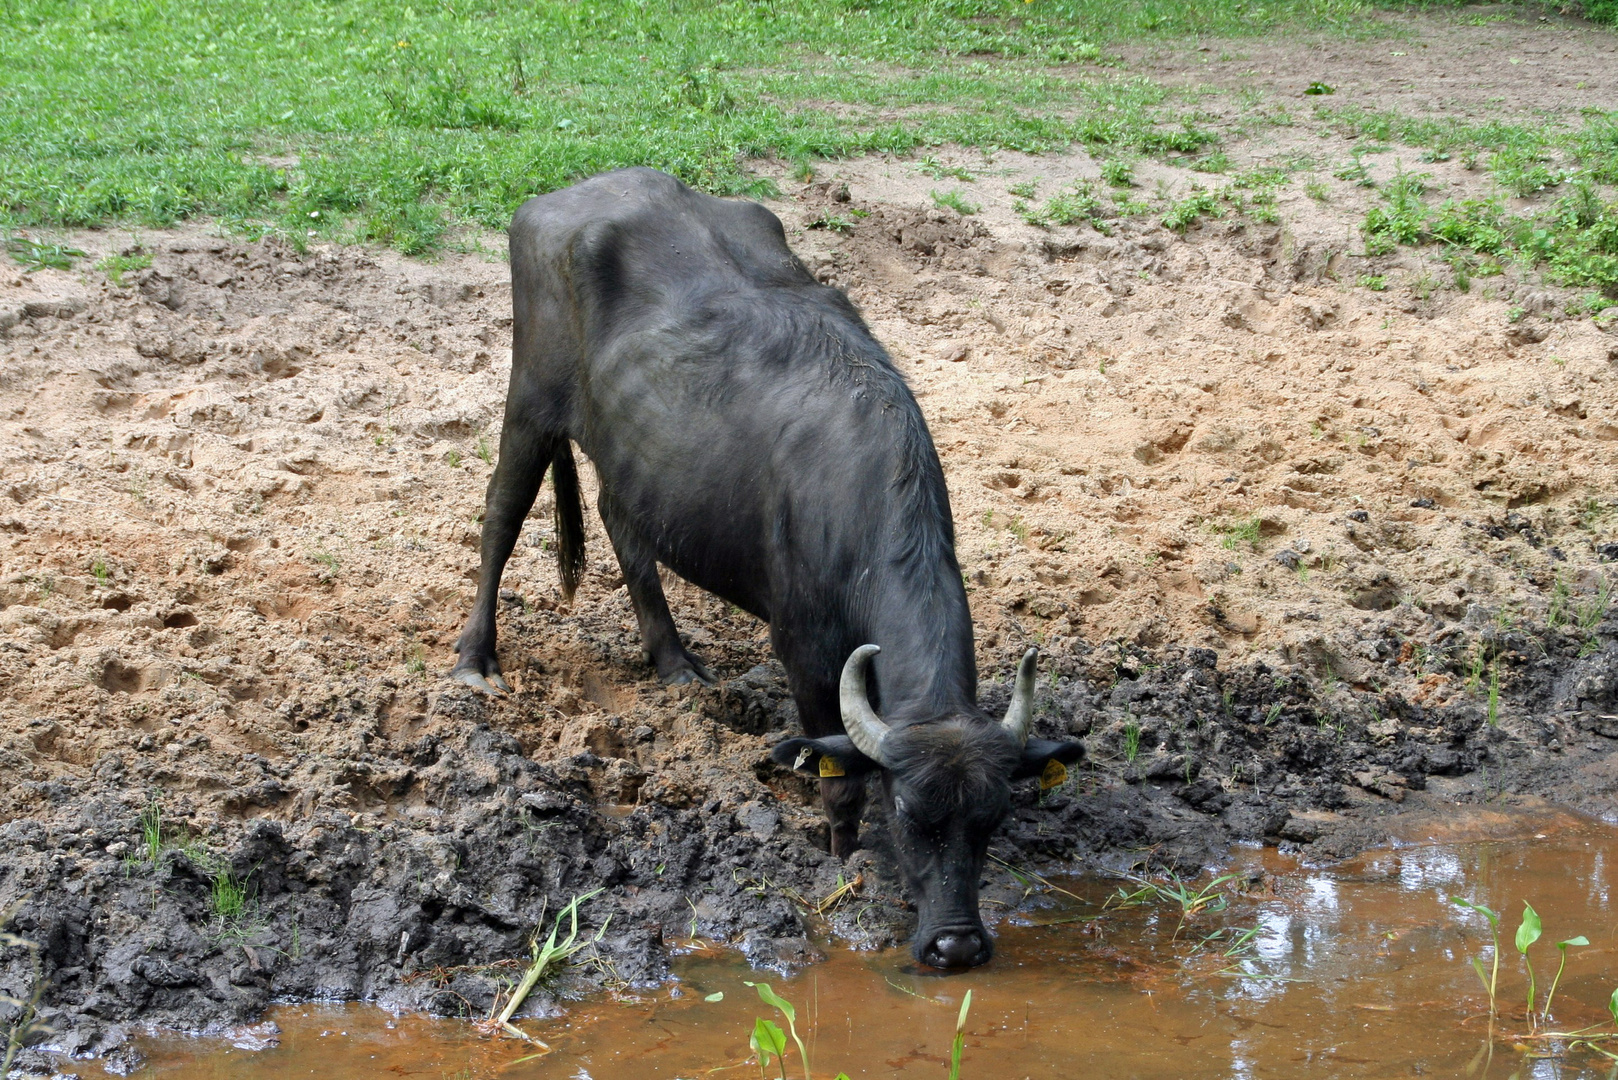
1357,970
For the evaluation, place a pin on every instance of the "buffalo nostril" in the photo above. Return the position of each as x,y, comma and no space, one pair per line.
957,950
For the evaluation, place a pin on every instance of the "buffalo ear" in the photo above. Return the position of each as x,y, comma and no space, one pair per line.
1041,752
832,756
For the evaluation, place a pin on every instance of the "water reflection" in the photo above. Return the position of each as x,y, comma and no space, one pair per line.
1358,970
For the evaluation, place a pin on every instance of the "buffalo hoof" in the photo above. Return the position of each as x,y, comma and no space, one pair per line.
488,681
688,669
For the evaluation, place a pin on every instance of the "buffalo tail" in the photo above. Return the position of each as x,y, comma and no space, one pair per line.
569,518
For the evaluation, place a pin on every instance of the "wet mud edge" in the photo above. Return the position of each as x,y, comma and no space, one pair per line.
405,905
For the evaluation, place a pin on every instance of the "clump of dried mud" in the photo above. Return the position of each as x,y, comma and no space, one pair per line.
1299,555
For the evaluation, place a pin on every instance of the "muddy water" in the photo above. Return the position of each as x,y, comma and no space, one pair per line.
1357,970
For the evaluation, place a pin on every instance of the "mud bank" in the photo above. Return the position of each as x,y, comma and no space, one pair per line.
406,903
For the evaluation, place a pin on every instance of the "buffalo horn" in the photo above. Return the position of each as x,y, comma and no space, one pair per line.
1020,713
865,729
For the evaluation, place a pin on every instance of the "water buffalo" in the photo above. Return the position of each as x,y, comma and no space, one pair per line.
750,434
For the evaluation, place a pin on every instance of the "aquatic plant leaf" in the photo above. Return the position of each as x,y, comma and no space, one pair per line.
960,1038
1492,916
1612,1006
717,995
1477,966
774,1000
1529,929
1580,940
767,1041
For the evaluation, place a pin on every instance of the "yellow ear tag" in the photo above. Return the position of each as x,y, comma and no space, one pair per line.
1055,775
830,766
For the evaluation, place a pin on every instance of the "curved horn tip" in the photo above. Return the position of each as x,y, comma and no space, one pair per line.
1019,716
865,729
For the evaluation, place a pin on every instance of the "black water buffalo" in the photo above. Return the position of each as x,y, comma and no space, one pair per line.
751,435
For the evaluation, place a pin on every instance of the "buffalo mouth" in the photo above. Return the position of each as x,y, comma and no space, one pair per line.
959,947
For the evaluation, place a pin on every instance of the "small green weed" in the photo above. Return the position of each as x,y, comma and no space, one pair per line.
955,201
452,458
485,450
34,255
1191,899
99,571
1242,532
832,223
1028,189
327,561
1077,204
1131,740
227,896
939,171
116,266
1556,612
151,832
1118,172
1189,210
1588,615
1127,206
1355,171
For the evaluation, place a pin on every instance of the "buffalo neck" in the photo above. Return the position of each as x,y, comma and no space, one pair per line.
927,669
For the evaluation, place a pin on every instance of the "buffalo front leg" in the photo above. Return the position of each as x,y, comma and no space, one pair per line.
844,800
674,663
524,457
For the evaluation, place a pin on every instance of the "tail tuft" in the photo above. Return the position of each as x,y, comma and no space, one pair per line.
569,519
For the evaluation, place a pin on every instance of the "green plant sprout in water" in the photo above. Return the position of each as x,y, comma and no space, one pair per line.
769,1043
1493,978
1529,931
960,1038
767,1039
543,958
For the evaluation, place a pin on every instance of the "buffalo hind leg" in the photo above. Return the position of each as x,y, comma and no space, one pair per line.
675,664
843,798
524,456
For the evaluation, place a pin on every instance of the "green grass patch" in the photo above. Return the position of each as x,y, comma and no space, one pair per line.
1568,230
391,122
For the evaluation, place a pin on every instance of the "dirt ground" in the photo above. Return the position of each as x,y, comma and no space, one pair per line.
1322,554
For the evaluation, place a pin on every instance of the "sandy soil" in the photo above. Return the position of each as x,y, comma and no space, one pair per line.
239,502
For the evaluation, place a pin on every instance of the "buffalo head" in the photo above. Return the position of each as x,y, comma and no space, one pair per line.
947,784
